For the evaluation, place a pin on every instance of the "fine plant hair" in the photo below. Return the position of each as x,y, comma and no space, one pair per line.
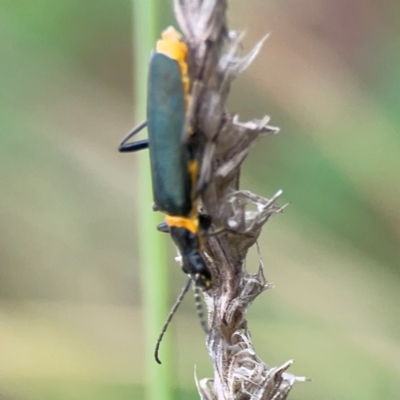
214,61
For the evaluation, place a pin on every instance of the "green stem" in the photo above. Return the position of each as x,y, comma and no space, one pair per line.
152,245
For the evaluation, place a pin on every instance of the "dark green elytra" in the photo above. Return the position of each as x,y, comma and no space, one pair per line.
166,114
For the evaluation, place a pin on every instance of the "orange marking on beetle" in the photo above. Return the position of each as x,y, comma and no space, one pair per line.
192,225
172,45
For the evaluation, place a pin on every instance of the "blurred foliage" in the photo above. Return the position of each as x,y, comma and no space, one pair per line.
70,309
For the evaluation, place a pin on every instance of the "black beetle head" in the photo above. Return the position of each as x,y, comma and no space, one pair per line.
193,263
195,266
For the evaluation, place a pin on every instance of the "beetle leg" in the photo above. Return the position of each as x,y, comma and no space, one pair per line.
204,222
135,146
219,231
129,147
163,227
216,232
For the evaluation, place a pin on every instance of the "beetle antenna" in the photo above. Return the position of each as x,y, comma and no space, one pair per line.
169,318
199,308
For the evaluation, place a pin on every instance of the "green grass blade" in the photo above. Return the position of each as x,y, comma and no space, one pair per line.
153,252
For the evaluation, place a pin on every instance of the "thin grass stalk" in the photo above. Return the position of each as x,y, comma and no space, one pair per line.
152,244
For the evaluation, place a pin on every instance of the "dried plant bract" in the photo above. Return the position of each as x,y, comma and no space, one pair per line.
215,59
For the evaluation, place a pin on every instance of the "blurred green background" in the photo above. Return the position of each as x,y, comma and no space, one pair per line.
70,300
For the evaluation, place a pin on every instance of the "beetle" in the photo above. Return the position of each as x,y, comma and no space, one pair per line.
174,154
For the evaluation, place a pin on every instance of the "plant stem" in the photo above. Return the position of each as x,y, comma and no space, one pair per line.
152,244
